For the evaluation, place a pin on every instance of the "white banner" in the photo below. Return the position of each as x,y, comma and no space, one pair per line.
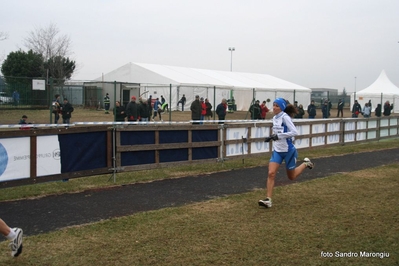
15,157
38,84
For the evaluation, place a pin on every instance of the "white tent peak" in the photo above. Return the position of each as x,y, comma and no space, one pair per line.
382,84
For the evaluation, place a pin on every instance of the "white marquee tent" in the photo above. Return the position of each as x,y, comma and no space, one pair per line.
156,80
380,91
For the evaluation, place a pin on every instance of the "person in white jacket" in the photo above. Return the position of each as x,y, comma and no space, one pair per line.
283,135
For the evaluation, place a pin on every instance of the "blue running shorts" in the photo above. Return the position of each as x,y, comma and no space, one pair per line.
289,158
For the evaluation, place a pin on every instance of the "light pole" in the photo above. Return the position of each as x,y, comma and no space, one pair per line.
355,91
231,49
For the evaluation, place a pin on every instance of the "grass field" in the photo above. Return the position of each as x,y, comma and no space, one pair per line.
354,212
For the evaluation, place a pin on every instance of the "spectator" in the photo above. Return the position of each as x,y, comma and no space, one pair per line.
119,112
377,110
182,101
56,106
208,113
300,111
356,109
221,111
387,108
106,103
196,109
22,121
340,108
255,110
145,111
311,110
203,110
66,111
366,110
325,110
157,104
132,110
263,110
15,98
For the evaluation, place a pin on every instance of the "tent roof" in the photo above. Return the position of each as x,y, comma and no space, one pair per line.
381,85
162,74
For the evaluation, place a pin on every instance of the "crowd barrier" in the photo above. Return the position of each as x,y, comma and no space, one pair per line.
97,148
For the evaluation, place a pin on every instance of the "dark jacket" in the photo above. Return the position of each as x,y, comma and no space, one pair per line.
221,111
377,110
67,109
387,109
208,109
132,111
145,110
311,110
119,117
196,109
255,111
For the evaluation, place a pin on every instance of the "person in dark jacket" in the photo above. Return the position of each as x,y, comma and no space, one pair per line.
356,109
221,110
196,109
119,112
311,110
255,110
387,108
377,110
145,111
208,113
66,112
132,110
325,110
340,108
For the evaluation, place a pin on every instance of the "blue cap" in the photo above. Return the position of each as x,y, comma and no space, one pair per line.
281,103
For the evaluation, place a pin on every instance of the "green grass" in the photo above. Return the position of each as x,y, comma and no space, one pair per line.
352,212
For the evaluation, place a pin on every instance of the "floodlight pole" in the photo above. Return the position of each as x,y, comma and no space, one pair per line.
231,49
355,90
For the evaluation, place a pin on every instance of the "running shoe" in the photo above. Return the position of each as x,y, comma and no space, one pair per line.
308,163
267,203
16,243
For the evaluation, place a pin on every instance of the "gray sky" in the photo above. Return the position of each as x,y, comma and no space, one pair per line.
314,43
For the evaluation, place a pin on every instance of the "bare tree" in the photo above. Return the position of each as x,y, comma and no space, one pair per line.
55,49
3,35
48,42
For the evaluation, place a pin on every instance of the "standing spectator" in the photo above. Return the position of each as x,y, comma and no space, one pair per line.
377,111
370,104
157,105
119,112
311,110
340,108
56,106
325,110
221,111
14,235
149,102
387,108
300,111
106,103
132,110
263,110
15,98
255,110
203,110
145,111
196,109
66,111
208,114
182,101
356,109
366,110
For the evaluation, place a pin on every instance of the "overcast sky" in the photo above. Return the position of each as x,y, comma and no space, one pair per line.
313,43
